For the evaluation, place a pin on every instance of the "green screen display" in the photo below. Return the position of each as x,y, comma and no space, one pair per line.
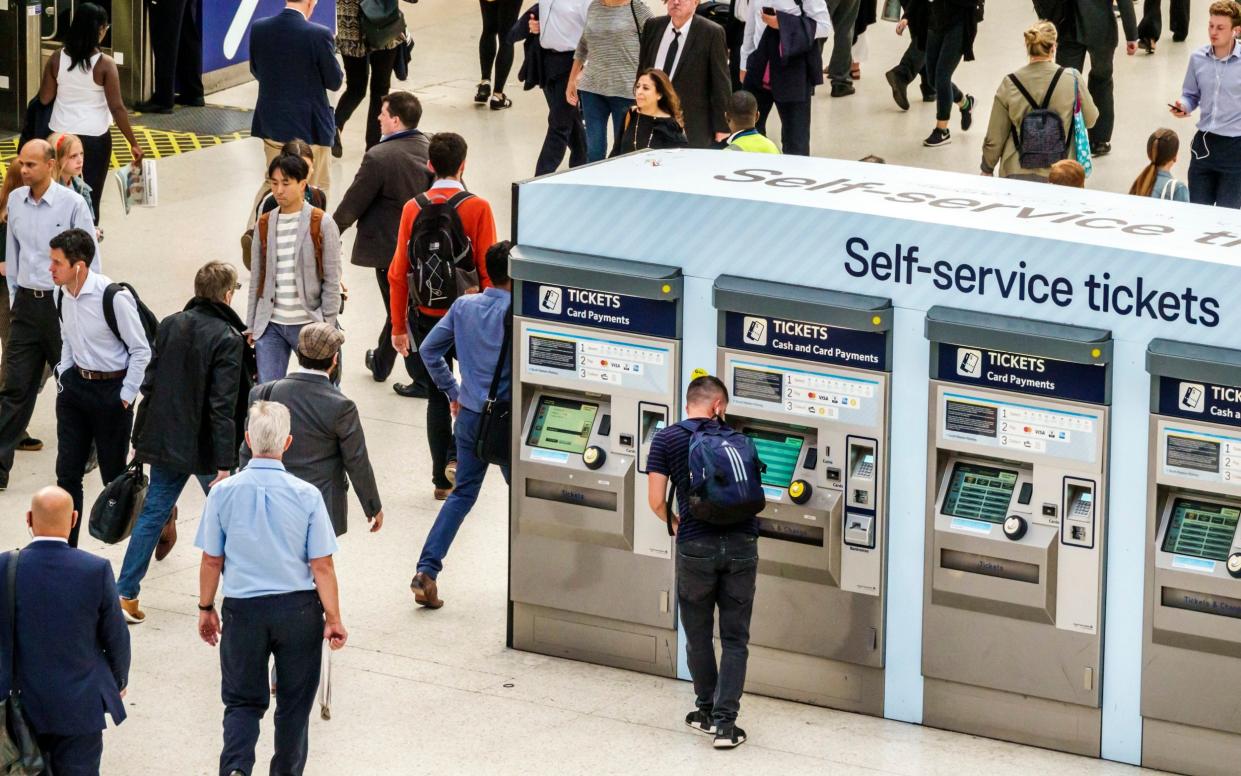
1201,529
979,492
779,452
562,424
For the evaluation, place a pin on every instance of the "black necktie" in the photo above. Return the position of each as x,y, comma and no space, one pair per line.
671,59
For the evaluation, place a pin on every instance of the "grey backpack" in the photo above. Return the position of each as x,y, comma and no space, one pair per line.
1042,141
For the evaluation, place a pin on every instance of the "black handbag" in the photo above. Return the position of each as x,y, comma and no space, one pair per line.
495,428
119,504
19,753
381,22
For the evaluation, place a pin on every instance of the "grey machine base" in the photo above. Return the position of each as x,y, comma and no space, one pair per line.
815,680
1066,727
1186,749
592,639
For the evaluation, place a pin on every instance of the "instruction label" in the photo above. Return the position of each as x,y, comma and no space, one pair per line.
1020,427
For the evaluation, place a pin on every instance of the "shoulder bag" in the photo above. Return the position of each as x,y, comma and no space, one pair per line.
381,22
118,505
495,428
1081,144
19,754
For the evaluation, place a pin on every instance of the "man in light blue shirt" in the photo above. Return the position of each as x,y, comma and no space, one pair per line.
477,324
1213,85
270,535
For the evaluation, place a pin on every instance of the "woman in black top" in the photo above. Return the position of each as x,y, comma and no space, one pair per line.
953,26
655,121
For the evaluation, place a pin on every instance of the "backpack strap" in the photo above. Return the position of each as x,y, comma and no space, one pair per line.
1024,93
316,239
1051,88
109,307
10,611
636,26
261,228
457,199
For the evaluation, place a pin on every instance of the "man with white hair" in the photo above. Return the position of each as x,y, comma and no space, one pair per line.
269,534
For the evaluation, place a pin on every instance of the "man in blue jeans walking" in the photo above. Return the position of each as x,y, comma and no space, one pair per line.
477,324
717,566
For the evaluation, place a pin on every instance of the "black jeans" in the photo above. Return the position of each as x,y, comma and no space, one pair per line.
89,413
1071,53
913,65
289,626
564,123
1151,25
176,43
71,755
943,54
385,355
96,159
34,345
717,572
439,415
1215,170
794,122
499,16
379,64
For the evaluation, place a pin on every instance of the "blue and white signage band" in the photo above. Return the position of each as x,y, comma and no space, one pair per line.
1031,375
599,309
1206,402
806,341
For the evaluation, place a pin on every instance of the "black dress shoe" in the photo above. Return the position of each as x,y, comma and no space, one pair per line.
899,86
190,102
30,445
149,106
370,366
1100,149
842,90
411,390
338,150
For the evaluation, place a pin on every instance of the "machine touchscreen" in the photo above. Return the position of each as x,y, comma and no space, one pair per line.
562,424
1201,529
779,451
979,492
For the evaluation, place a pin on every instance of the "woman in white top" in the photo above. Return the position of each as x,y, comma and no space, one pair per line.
87,89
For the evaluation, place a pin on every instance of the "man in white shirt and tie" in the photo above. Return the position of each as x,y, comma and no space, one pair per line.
100,370
693,52
559,27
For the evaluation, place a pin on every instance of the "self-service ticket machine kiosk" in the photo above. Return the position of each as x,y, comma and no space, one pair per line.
597,373
807,371
1191,647
1016,529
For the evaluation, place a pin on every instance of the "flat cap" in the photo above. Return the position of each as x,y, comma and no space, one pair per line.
319,340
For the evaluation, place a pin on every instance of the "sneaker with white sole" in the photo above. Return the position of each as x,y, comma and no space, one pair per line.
700,721
938,137
729,736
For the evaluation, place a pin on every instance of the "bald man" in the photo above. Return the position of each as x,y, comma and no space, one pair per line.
72,645
37,212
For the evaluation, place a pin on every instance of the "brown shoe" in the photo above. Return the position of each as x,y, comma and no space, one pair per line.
442,493
30,445
167,537
133,615
426,593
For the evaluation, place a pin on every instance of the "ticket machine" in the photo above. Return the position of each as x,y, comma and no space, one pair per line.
596,374
1191,646
808,374
1016,529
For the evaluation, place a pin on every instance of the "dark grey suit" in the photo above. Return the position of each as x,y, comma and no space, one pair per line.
1088,27
701,81
327,442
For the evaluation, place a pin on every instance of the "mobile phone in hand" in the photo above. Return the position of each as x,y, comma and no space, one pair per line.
767,9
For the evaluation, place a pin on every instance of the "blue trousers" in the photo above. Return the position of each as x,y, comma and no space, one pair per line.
272,350
470,472
162,494
596,110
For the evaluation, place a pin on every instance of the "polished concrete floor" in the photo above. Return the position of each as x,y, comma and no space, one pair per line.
437,692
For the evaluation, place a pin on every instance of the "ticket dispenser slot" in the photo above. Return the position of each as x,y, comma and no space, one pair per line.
596,370
1016,509
807,371
1191,644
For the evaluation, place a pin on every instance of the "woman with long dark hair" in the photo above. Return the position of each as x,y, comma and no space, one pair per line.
363,64
87,89
1156,179
494,51
655,120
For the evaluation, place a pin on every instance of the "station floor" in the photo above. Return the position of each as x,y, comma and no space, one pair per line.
438,692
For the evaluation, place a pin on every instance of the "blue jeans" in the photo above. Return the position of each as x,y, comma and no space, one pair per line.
273,348
162,493
596,110
470,472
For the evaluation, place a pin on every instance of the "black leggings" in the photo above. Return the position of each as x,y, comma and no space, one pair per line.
499,16
380,64
96,160
943,54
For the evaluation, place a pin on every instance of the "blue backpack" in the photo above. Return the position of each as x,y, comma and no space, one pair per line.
725,474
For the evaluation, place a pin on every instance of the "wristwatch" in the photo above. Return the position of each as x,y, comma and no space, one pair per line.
208,608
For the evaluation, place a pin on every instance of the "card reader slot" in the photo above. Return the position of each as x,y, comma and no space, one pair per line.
571,494
988,565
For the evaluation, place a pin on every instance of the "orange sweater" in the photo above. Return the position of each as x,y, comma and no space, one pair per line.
480,227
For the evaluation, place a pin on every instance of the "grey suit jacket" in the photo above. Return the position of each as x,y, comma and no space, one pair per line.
701,81
392,173
320,298
327,442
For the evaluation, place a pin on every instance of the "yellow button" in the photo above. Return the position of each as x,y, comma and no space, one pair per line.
590,455
699,372
796,488
876,320
1096,353
667,288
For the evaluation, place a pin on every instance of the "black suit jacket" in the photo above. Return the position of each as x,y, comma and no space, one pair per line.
392,173
701,81
1092,22
294,61
327,442
72,644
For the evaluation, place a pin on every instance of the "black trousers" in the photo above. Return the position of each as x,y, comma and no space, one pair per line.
96,159
794,122
439,415
379,64
290,627
499,16
913,65
34,345
1071,53
1215,170
565,130
385,354
71,755
89,414
1151,25
943,56
177,44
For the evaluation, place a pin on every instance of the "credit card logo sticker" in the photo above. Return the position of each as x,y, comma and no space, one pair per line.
550,300
755,331
1191,397
969,363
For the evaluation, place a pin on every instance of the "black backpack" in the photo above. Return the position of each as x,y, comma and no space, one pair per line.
441,258
1042,141
150,324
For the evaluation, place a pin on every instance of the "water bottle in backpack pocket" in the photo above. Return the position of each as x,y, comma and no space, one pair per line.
725,474
441,258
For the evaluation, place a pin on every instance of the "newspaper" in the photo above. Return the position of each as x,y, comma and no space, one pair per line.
138,184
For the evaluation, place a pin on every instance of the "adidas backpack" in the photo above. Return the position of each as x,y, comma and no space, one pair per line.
441,258
1042,141
725,474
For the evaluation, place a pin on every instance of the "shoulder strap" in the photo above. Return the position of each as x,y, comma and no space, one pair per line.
10,611
316,239
266,390
264,220
636,26
109,306
1021,88
457,199
504,346
1051,88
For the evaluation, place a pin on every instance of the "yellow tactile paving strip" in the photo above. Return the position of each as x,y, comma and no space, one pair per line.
155,143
